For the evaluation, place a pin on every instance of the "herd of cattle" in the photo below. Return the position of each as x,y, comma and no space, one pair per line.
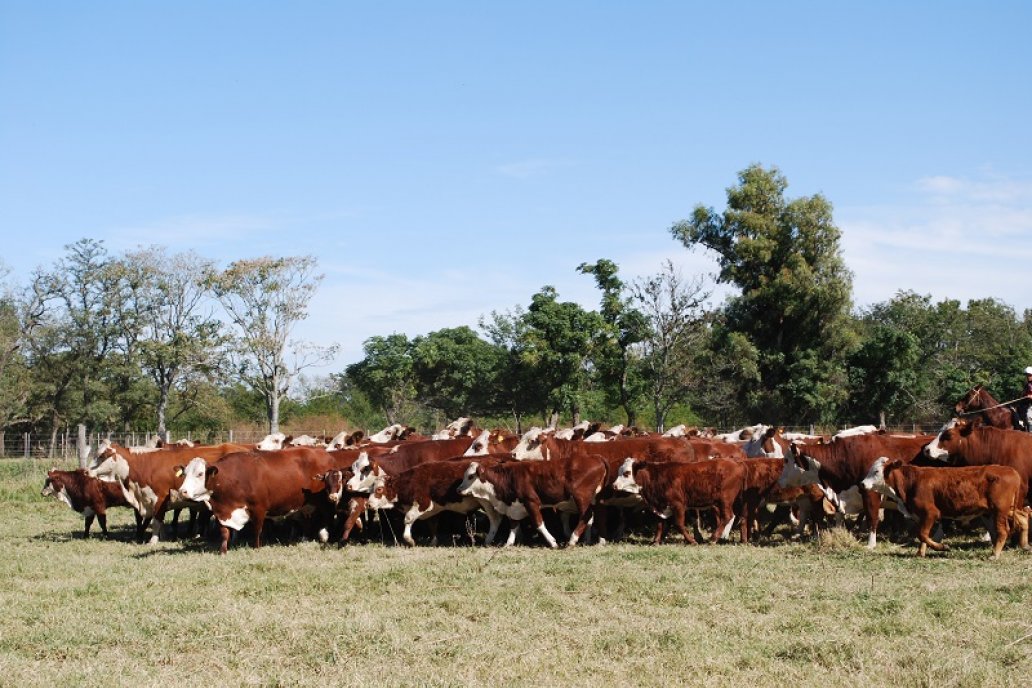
594,479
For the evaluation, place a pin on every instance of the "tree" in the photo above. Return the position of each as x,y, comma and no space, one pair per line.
456,371
265,298
795,290
178,337
623,326
385,375
558,343
520,390
674,330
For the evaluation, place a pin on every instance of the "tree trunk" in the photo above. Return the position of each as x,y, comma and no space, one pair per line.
162,407
82,447
274,412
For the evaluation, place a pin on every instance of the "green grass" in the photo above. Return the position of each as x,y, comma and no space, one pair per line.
90,613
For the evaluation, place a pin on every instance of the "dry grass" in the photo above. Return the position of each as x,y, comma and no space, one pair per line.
88,613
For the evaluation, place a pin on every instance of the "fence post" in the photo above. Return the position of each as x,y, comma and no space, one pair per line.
82,447
28,441
231,435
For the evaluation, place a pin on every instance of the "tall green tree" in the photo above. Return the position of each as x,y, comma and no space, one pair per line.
520,389
456,372
794,295
385,376
559,336
623,326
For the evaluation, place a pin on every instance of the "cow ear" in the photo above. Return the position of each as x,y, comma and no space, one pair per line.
319,477
178,471
892,465
212,470
636,465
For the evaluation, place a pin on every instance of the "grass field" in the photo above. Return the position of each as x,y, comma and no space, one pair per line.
93,613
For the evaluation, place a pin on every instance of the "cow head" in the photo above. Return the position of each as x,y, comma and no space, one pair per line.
109,464
625,477
876,477
388,434
799,469
530,446
460,427
335,482
481,445
51,486
272,442
938,448
365,474
473,483
195,479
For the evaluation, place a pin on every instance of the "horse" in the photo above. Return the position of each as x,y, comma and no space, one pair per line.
992,413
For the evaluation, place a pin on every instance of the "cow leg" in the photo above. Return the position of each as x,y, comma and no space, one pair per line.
174,526
102,520
872,505
494,520
534,509
584,520
1020,517
88,522
697,525
924,533
678,517
357,506
1002,531
224,539
258,520
514,528
658,537
725,520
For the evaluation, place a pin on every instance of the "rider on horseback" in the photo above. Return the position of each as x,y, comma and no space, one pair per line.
1025,405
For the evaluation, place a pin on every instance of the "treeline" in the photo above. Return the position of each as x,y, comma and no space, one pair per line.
150,339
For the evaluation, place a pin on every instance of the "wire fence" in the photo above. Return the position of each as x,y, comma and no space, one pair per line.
63,445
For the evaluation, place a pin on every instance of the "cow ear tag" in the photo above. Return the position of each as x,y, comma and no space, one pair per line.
179,472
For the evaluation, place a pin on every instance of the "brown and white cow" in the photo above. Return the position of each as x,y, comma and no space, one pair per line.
670,490
519,489
539,445
929,494
89,496
148,479
762,488
248,487
844,463
968,443
429,489
402,457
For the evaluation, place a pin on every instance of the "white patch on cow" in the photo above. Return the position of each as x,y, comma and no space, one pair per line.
932,450
480,444
598,437
676,431
624,481
853,432
388,434
872,540
194,486
338,441
237,519
548,536
324,535
617,429
727,529
798,474
529,446
271,442
63,496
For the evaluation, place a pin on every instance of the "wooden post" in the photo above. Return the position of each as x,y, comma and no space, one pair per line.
28,441
82,446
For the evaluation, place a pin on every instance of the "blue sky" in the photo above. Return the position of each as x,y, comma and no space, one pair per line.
446,159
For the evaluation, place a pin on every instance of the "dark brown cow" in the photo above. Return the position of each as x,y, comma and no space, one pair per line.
148,478
928,494
254,485
670,490
519,489
967,443
89,496
844,463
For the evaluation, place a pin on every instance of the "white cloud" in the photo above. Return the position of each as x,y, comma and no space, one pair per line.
957,238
